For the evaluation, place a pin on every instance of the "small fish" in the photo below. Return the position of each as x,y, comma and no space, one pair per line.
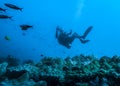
1,9
7,38
24,34
13,6
25,26
5,17
41,55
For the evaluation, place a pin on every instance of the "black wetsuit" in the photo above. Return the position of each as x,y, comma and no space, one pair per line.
66,39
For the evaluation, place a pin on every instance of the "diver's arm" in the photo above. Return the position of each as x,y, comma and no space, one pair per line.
69,33
56,35
58,30
87,31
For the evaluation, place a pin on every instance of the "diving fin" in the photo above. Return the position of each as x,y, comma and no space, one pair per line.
84,41
87,31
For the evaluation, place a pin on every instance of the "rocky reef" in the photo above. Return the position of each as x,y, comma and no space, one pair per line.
71,71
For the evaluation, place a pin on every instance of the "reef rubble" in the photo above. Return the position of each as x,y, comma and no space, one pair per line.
71,71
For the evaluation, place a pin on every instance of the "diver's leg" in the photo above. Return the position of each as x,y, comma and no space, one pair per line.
73,37
76,35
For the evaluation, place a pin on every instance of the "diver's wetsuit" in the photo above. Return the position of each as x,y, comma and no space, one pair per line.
66,39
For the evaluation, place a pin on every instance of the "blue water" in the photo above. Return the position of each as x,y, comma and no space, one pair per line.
45,15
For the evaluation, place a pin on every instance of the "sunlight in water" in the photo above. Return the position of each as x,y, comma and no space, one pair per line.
80,5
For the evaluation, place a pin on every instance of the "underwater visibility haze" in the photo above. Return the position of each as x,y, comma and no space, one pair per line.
28,30
59,43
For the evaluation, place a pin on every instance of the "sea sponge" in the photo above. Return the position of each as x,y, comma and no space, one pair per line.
3,67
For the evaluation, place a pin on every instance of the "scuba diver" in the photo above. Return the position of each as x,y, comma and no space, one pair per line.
66,39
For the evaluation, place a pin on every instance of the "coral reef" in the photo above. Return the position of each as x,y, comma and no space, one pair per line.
72,71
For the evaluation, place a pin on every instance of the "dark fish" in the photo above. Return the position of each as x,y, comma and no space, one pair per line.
1,9
41,55
5,17
87,31
13,6
24,34
25,26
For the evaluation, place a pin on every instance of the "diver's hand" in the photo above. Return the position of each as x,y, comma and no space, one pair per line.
59,29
